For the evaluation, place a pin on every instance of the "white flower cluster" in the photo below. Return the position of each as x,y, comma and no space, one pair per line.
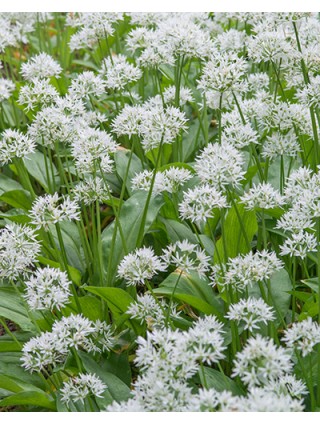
261,361
19,250
139,266
52,209
251,311
168,180
302,336
263,196
246,270
152,122
147,310
167,359
198,204
187,258
74,331
14,144
40,66
48,288
78,388
91,190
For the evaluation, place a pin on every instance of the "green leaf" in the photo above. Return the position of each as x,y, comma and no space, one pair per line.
7,184
235,240
193,290
130,218
118,301
119,365
36,165
212,378
34,398
90,307
16,216
116,388
178,231
121,159
18,199
13,308
281,286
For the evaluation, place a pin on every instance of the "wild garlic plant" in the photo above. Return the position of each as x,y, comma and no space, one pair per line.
160,212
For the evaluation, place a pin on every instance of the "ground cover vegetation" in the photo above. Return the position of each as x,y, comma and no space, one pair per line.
160,212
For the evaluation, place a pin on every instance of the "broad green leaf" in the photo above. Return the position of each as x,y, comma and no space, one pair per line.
130,218
7,184
36,166
193,290
118,301
13,308
18,199
178,231
16,216
90,307
235,241
212,378
34,398
119,365
281,286
116,388
121,159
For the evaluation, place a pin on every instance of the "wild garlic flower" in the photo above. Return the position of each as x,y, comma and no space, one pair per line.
6,88
52,209
90,190
258,81
309,95
279,144
48,288
41,351
294,220
288,385
170,348
246,270
263,196
299,244
139,266
187,258
39,92
118,72
74,331
251,311
220,165
90,148
256,400
147,310
14,144
264,400
19,250
302,336
87,84
223,73
128,121
261,361
168,180
206,341
185,95
51,125
93,27
239,136
161,125
40,66
78,388
269,46
199,203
